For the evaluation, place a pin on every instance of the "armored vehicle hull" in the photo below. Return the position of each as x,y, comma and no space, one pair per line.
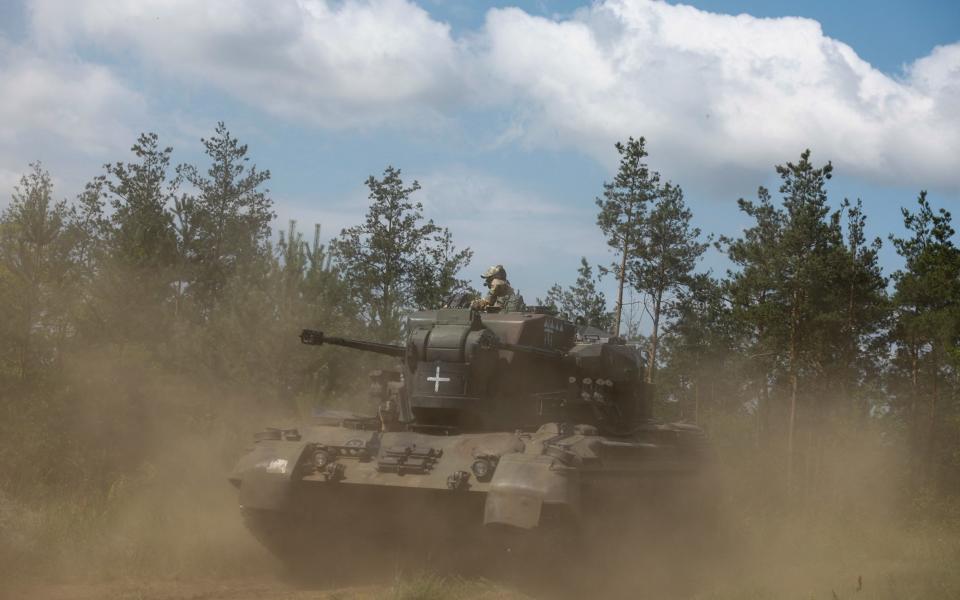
525,436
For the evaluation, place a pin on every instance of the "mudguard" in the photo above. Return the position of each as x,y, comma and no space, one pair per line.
523,483
265,475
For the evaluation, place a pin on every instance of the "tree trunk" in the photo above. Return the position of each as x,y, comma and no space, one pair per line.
914,401
711,398
759,419
622,275
805,485
763,389
32,301
931,467
696,402
654,337
851,346
791,427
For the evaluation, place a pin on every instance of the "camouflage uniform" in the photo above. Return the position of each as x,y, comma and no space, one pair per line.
501,296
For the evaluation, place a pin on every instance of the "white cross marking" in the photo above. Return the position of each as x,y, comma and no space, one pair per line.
437,379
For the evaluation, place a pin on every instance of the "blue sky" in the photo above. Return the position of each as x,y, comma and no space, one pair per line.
505,112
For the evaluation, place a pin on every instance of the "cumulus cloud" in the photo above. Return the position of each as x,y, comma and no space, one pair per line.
714,93
720,98
336,64
63,101
60,110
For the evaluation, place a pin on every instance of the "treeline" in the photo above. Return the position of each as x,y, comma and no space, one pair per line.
805,346
159,298
159,302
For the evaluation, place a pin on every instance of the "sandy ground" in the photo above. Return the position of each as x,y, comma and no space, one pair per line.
260,588
776,581
194,590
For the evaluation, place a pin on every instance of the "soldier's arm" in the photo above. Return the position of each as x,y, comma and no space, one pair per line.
482,303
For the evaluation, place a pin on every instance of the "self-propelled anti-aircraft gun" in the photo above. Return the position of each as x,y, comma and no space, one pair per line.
517,420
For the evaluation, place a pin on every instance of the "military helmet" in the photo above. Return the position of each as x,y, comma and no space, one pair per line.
495,272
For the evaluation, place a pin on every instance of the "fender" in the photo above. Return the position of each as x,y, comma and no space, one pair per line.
523,483
265,476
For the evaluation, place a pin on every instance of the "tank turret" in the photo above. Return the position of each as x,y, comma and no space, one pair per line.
472,371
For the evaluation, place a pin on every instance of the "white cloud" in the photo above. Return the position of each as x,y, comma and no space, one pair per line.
62,111
337,64
716,92
63,101
720,98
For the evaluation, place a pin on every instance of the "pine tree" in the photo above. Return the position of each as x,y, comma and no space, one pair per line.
224,226
668,254
926,329
437,269
142,235
395,261
807,241
623,210
581,300
751,289
863,309
138,254
786,288
703,362
38,276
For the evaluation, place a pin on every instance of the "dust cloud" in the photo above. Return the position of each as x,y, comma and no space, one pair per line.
170,526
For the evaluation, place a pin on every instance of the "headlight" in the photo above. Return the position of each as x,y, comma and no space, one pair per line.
321,458
482,469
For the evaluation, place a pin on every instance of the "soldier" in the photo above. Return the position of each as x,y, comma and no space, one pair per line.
501,296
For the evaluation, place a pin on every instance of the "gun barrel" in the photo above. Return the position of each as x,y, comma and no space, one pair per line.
317,338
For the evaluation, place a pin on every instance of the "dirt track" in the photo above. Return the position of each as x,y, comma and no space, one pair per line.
253,589
193,590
